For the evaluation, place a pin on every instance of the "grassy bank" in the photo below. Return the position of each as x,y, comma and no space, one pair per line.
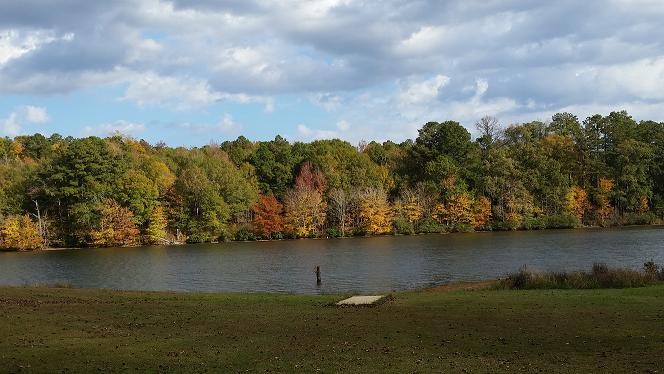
495,331
599,276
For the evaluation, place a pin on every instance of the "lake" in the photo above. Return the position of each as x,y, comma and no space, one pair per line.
365,265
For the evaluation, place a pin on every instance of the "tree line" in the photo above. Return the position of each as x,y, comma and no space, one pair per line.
119,191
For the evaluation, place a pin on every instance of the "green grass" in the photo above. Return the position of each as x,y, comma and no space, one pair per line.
610,330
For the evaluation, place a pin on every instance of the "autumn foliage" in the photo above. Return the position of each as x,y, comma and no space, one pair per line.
604,206
19,232
577,202
268,216
116,227
304,205
156,230
481,212
374,211
599,171
457,213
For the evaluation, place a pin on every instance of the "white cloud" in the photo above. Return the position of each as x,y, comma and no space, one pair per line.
343,125
152,88
410,62
36,114
14,124
306,133
228,125
112,128
183,93
327,101
425,91
10,125
14,43
421,41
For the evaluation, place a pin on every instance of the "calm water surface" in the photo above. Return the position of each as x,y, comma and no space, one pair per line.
347,265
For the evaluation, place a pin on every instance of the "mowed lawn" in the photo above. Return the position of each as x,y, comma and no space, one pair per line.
54,330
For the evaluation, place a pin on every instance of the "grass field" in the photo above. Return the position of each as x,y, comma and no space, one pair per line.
54,330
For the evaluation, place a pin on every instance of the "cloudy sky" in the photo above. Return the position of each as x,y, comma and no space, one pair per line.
189,72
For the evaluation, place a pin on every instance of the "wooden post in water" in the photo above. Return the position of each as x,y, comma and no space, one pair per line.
318,275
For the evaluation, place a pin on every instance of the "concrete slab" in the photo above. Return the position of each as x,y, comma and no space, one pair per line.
361,300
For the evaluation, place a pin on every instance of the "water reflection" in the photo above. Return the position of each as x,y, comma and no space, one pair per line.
347,265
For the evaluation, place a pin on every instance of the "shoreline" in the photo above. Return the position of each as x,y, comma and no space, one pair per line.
477,285
655,225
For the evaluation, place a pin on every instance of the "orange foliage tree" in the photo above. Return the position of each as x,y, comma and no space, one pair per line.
19,232
481,212
117,227
577,202
457,213
268,216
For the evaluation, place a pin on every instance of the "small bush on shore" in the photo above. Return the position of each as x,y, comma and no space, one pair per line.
600,276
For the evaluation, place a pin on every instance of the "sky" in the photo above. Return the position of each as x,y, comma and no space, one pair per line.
193,72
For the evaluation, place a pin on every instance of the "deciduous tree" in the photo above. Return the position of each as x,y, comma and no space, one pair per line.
116,227
268,218
375,212
19,232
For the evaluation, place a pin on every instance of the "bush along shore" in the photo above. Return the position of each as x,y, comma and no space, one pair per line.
118,191
600,276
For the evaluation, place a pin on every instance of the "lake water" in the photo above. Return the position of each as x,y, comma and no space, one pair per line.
347,265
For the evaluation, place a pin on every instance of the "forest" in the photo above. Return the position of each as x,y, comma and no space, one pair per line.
119,191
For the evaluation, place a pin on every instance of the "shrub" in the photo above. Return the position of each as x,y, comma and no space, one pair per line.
653,270
600,269
562,221
333,232
461,227
600,276
428,226
535,223
403,227
506,225
244,234
198,237
638,219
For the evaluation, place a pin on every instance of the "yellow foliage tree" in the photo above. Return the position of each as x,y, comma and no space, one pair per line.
19,232
156,230
17,148
577,202
513,219
604,207
117,227
304,212
375,212
643,204
408,207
